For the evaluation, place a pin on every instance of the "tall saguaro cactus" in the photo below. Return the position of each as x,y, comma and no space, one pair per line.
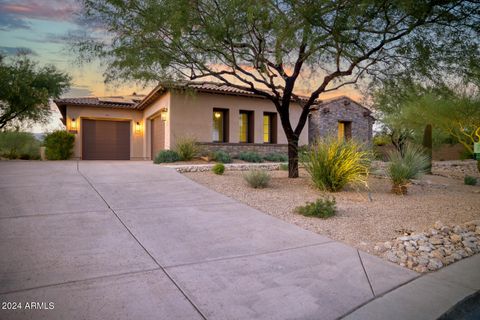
428,145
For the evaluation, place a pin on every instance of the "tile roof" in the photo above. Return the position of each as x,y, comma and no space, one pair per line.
120,102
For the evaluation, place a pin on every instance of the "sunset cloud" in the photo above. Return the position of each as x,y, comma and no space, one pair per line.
49,10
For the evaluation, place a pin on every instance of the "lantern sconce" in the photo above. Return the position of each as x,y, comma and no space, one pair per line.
138,127
73,126
163,115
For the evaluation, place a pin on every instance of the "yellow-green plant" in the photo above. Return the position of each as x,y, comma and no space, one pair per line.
402,168
187,148
333,163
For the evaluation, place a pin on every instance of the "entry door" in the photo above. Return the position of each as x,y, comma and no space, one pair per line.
158,136
105,140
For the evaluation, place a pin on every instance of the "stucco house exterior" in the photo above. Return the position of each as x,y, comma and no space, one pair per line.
138,127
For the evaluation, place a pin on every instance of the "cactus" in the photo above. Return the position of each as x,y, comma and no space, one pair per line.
428,145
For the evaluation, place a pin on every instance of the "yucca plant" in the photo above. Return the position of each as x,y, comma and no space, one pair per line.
187,148
333,163
402,168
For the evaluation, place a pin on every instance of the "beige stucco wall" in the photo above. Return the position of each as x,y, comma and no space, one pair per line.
151,112
191,115
82,112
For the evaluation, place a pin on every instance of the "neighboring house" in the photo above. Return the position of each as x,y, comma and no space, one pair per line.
341,117
138,127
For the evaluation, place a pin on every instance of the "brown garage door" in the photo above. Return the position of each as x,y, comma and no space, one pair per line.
158,136
105,140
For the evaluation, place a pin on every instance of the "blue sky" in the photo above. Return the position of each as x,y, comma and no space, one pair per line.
42,28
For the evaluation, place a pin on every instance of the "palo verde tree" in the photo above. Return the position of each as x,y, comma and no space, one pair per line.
25,90
268,47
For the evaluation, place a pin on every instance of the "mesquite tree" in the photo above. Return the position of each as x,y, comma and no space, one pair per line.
270,47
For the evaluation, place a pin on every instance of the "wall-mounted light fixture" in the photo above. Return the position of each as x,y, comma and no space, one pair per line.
217,115
73,124
138,127
163,114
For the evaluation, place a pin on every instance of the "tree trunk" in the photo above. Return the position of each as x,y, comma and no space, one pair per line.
292,157
428,145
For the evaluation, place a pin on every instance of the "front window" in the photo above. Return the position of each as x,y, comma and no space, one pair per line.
219,133
246,127
344,130
269,127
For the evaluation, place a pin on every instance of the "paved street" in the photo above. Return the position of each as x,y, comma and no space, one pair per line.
132,240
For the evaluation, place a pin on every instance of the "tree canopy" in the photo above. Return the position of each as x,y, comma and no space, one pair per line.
25,90
272,47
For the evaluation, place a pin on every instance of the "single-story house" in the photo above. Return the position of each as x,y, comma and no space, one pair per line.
138,127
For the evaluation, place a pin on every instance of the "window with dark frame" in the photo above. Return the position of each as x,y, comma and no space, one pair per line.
269,127
246,127
220,125
344,130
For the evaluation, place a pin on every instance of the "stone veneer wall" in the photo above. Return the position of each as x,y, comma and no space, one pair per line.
235,148
324,121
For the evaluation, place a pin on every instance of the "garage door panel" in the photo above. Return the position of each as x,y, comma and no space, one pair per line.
105,140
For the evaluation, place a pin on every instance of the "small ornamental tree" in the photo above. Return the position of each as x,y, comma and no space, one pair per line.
25,90
269,48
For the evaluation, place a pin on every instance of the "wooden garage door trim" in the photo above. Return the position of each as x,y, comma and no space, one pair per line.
105,139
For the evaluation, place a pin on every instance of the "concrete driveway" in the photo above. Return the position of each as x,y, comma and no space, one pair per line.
131,240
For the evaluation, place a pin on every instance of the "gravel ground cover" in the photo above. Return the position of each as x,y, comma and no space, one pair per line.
364,217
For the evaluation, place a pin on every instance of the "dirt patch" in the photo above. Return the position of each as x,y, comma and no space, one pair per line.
364,218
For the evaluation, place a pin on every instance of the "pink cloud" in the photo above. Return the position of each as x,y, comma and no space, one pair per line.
50,9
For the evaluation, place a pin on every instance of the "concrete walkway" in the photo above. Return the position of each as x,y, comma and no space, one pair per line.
131,240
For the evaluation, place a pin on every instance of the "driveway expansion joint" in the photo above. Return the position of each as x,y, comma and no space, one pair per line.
247,255
80,280
366,274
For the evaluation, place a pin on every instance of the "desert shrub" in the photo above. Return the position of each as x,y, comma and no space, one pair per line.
187,148
250,156
402,168
284,166
19,145
59,145
221,156
276,157
257,178
381,140
322,208
218,168
470,181
166,156
332,163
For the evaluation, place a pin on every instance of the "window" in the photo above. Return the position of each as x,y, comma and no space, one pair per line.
220,125
246,127
269,127
344,130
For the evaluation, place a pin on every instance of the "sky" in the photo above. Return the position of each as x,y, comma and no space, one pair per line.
42,27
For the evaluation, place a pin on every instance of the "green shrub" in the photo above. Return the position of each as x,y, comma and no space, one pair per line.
284,166
250,156
257,178
332,163
402,168
381,140
219,168
221,156
470,181
59,145
276,157
166,156
187,148
322,208
15,145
